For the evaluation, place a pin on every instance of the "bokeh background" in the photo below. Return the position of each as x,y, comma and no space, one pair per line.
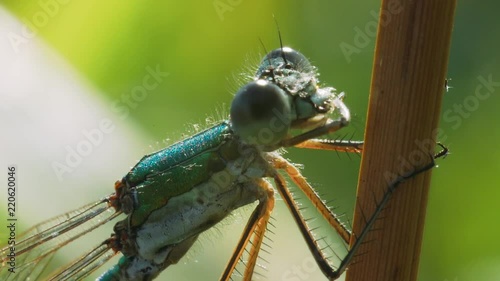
68,65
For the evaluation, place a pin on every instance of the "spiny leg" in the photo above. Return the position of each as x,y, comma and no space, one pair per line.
256,226
282,164
311,242
369,223
334,145
321,260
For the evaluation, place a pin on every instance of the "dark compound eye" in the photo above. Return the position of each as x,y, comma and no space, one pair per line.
260,113
287,58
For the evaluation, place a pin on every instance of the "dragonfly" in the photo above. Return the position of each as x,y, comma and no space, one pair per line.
173,195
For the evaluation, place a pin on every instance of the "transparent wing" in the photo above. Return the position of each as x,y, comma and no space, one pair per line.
37,245
86,264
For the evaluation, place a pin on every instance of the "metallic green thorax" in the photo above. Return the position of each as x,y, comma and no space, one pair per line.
178,168
173,195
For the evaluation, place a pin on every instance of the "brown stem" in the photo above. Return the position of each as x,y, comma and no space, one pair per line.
409,72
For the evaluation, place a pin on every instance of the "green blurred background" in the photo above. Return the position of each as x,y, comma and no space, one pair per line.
204,50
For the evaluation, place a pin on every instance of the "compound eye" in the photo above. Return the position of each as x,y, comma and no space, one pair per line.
260,113
289,58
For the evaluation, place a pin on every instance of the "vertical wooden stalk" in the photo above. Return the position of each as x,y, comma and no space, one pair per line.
409,71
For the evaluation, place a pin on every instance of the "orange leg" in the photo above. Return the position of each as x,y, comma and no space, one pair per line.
330,272
335,145
255,227
282,164
311,242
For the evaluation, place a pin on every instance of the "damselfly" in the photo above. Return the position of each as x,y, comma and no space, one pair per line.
171,196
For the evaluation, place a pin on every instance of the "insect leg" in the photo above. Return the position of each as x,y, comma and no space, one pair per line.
294,173
330,272
256,226
311,242
335,145
359,239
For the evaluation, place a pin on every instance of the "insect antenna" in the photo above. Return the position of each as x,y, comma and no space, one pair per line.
271,67
281,40
265,50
